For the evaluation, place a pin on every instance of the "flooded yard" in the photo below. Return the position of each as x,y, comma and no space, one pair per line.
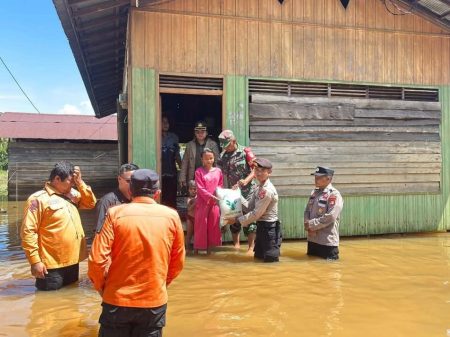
383,286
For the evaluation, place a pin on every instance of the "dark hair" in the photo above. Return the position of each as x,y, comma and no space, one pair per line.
127,168
62,169
207,150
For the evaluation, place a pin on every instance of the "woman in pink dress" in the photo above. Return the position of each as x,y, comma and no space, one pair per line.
207,232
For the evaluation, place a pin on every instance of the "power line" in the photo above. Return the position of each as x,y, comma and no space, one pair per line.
9,71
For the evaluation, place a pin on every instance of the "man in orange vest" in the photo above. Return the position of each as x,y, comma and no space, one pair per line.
137,254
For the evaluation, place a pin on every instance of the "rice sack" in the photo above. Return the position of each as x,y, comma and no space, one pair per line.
229,203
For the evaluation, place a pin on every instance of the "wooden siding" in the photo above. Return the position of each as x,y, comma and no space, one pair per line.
302,39
30,163
375,146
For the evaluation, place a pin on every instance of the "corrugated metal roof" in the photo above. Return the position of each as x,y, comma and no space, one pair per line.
52,126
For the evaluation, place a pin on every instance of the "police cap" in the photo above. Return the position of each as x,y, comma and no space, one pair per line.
263,163
200,126
323,171
145,179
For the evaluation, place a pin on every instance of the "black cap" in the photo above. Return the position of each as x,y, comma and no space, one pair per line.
200,126
323,171
263,163
145,179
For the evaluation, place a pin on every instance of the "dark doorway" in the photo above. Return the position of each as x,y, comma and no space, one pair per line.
183,111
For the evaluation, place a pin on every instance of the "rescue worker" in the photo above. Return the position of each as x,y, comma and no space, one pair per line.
263,208
321,216
236,164
52,235
136,255
120,196
192,158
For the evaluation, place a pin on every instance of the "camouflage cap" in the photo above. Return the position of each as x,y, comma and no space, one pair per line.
225,138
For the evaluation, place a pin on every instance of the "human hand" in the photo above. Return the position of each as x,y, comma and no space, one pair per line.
38,270
235,187
242,182
77,176
229,221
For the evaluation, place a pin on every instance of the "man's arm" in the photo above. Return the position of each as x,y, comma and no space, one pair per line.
184,165
177,253
100,255
257,212
100,211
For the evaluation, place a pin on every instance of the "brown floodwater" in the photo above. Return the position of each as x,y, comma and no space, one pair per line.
384,286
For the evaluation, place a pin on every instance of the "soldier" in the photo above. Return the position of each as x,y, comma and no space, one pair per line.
236,163
321,217
263,208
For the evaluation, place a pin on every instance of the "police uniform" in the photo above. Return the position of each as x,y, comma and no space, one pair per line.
321,218
263,208
235,167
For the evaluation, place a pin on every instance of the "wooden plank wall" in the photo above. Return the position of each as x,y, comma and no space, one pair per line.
375,146
302,39
30,164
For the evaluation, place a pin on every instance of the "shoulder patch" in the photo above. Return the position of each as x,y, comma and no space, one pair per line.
34,205
332,200
262,194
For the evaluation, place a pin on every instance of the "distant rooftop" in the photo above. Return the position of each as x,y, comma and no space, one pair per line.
21,125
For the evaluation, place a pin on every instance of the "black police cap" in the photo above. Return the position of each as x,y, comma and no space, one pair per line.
145,178
323,171
263,163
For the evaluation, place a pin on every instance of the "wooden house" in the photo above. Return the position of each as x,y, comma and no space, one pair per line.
38,141
363,89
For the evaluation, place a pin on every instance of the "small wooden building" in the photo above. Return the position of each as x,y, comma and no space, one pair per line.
38,141
363,89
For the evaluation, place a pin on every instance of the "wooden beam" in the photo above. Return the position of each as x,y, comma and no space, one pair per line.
94,23
205,92
100,7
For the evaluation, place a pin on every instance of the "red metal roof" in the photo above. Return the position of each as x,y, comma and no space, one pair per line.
52,126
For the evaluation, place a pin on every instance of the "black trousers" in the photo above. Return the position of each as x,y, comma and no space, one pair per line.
169,191
268,241
325,252
58,277
118,321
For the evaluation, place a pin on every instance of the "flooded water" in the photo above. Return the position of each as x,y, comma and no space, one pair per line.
385,286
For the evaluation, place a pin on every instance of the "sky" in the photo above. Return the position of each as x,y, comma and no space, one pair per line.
36,50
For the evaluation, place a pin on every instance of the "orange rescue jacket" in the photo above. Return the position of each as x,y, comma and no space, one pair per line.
51,229
137,254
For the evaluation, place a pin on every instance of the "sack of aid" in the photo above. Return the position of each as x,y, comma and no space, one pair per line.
229,203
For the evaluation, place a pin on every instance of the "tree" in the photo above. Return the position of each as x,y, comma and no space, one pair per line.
3,153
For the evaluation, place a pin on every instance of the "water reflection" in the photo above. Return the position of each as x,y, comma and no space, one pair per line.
392,286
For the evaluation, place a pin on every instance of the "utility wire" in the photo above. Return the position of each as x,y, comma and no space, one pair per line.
9,71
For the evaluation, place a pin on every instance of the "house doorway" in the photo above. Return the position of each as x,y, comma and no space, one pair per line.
183,111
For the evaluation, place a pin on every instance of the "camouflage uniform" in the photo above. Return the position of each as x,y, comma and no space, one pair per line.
234,167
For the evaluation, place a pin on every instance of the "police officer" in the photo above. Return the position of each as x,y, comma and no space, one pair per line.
321,216
263,208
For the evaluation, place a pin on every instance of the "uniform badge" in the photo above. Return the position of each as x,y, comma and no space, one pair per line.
262,194
320,211
33,206
332,200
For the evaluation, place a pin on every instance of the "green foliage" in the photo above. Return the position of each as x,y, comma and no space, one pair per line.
3,154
